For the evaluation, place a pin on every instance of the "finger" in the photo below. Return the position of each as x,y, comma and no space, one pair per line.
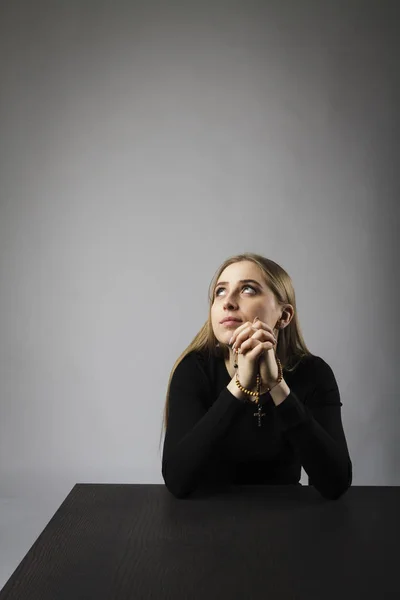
247,328
238,330
240,337
249,344
252,342
266,336
260,335
265,326
252,352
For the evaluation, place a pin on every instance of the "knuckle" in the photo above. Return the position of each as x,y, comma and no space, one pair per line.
257,335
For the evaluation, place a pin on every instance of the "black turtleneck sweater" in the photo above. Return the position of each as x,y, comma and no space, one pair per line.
214,438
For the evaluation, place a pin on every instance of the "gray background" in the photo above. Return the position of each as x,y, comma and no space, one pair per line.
143,143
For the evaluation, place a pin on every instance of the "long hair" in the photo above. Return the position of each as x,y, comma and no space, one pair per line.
291,345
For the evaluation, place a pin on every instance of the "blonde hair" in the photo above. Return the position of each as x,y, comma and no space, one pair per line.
291,346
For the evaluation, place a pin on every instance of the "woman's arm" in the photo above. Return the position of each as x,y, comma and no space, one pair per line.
193,430
315,430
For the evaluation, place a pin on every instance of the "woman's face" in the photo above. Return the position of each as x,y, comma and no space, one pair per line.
242,300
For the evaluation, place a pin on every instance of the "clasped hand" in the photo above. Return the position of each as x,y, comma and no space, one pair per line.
248,336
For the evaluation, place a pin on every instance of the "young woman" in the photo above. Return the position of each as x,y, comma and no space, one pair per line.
247,403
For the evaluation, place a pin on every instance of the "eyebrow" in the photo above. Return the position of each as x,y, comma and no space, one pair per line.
240,281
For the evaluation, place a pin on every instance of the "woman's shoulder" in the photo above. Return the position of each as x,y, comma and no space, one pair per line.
189,362
194,357
310,358
312,377
192,365
311,366
318,362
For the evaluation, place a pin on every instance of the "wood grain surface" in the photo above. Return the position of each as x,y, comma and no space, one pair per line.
122,541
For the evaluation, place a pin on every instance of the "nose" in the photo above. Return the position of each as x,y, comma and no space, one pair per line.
228,302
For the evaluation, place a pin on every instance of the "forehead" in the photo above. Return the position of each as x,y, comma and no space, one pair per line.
242,270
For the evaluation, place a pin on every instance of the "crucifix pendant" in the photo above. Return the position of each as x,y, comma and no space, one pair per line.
259,414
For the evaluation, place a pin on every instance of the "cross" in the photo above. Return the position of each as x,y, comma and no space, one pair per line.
259,414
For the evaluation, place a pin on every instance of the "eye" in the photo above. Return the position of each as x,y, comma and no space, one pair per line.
245,286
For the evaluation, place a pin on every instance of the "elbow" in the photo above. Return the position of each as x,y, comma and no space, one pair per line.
177,492
177,488
334,493
338,487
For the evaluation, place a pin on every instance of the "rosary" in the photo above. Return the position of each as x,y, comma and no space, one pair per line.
259,414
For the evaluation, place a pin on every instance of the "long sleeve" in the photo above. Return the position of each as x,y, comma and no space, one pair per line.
193,430
315,430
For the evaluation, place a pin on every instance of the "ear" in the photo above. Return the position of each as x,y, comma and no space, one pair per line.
288,314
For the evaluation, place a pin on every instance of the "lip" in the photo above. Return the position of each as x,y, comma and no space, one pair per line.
230,323
230,320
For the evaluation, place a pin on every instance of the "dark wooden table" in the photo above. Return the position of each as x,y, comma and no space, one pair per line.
117,541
